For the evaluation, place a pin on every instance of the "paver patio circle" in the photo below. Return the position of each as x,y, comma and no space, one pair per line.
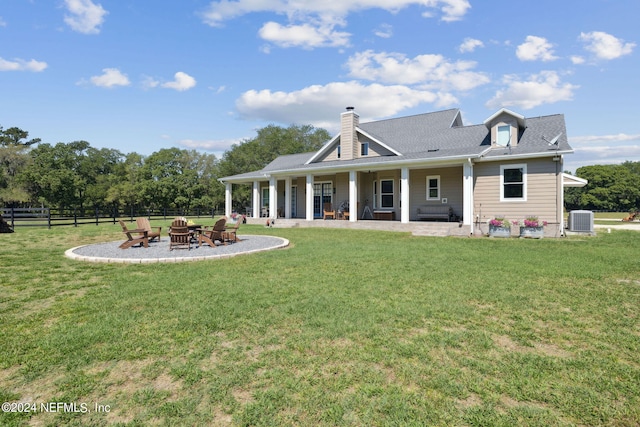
109,252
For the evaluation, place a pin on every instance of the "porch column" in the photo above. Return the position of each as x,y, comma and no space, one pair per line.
255,200
353,196
309,199
467,196
287,197
273,198
227,199
404,195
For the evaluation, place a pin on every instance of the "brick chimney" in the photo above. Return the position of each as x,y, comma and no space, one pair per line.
349,120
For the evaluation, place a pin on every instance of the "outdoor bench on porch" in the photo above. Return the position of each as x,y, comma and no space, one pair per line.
384,215
435,212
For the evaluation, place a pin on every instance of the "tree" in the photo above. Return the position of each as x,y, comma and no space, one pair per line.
272,141
14,158
180,178
610,188
14,135
54,176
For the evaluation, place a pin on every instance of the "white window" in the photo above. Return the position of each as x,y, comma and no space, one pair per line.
504,135
386,193
433,187
513,183
364,149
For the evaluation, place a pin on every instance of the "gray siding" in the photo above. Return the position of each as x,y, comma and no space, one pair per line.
543,191
450,188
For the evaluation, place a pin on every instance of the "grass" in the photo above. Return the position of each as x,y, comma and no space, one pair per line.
345,327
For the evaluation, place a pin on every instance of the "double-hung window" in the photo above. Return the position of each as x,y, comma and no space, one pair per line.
386,193
433,187
513,183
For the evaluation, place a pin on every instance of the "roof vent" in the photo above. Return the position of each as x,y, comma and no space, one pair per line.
350,108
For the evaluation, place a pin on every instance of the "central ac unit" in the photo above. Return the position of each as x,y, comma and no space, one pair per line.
581,221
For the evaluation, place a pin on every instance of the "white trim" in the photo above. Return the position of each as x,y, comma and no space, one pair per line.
393,193
467,194
396,152
519,117
522,166
405,203
353,196
308,212
323,149
436,177
573,181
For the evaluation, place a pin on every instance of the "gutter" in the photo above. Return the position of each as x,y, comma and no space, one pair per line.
553,153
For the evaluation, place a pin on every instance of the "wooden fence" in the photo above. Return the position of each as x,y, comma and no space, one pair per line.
49,217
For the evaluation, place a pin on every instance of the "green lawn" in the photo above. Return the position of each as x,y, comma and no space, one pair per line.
345,327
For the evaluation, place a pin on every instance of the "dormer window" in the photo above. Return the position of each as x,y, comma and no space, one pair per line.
364,149
504,136
505,127
339,151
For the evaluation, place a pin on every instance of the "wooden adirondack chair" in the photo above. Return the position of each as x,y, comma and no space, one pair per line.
132,240
179,234
143,224
216,233
231,234
328,211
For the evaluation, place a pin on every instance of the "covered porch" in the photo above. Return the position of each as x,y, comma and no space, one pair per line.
398,195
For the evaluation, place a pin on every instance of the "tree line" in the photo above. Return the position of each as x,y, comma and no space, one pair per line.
611,188
76,175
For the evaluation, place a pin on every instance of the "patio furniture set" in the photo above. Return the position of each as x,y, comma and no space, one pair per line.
181,233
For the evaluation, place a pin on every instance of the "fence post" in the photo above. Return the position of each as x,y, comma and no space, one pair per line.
75,217
12,218
48,217
131,213
96,209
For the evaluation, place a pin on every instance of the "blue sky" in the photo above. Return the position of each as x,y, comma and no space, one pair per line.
138,75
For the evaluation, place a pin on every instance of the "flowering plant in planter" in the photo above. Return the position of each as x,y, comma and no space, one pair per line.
235,216
499,221
530,222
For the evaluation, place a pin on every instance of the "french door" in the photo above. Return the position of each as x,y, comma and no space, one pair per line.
322,193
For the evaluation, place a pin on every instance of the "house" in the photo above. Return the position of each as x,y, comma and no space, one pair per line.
424,167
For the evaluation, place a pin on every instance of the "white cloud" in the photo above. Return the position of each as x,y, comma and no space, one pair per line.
306,36
3,23
619,137
110,77
602,149
84,16
319,104
182,81
605,46
432,71
220,145
22,65
313,23
469,45
543,88
535,49
384,31
223,10
577,60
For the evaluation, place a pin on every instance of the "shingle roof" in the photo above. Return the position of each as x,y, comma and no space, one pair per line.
432,137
